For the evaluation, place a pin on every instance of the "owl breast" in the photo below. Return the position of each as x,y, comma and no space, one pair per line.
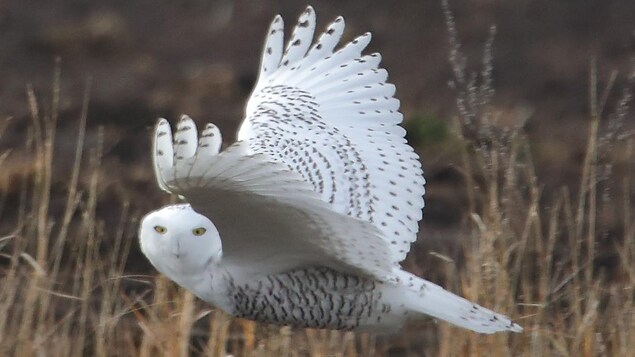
313,297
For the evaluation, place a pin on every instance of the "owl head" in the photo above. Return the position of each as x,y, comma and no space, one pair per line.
179,242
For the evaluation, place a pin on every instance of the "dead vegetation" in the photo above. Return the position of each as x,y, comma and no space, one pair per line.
65,290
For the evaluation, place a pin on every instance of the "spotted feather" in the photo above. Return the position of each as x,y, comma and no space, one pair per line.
330,115
313,207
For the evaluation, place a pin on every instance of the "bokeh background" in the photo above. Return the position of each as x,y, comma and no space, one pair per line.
150,59
147,59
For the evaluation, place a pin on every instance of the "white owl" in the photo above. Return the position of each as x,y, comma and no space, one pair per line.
314,206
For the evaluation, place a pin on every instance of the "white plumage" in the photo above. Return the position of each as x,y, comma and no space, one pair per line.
313,207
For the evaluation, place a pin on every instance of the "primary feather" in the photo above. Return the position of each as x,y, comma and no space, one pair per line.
317,202
331,117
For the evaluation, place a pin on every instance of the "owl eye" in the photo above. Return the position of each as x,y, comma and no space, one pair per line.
160,229
199,231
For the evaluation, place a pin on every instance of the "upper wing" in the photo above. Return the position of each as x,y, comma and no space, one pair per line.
270,219
332,118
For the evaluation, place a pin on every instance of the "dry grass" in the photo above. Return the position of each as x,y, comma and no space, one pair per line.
64,289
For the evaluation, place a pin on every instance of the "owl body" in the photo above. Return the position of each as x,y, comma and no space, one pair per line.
315,297
304,220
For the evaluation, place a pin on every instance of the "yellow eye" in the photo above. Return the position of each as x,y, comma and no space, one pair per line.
199,231
160,229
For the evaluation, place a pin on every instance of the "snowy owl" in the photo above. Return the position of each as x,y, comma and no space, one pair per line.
304,220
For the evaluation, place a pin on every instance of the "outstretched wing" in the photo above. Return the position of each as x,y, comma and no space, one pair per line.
330,116
270,219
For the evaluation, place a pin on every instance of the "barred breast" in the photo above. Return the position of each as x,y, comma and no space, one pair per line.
314,297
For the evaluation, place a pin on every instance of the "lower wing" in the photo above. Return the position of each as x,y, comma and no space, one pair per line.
265,212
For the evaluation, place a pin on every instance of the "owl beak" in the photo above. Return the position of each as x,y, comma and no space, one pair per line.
175,248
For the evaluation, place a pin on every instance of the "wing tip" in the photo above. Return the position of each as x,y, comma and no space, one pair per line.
162,143
162,151
184,119
364,39
211,140
272,50
186,138
301,38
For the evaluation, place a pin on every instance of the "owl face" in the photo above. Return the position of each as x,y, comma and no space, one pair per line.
179,242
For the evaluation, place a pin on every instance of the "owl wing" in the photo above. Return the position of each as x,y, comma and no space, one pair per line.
320,147
330,116
269,217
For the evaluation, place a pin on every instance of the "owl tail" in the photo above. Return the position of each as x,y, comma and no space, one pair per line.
431,299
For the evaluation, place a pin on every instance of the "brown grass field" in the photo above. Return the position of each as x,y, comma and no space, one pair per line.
561,262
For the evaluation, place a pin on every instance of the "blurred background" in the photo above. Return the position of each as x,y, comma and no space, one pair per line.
150,59
153,58
147,59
